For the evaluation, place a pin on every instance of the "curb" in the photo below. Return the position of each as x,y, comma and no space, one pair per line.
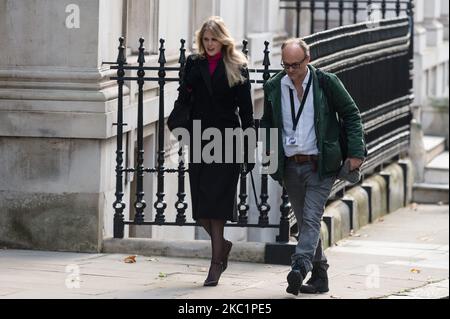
242,251
436,290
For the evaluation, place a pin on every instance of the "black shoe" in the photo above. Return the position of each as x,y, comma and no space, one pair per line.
215,270
319,286
294,279
318,283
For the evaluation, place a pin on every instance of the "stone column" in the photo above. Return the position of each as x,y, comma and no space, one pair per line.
435,29
420,46
257,29
417,148
57,106
201,10
444,17
142,21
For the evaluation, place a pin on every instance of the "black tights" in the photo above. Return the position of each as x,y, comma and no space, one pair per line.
214,228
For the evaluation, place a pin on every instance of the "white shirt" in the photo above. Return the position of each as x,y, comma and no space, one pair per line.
305,132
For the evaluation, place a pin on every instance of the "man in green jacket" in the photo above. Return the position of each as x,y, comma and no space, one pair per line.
309,151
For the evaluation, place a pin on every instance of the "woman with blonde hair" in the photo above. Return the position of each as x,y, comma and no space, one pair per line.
215,82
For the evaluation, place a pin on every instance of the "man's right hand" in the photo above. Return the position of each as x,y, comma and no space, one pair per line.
355,163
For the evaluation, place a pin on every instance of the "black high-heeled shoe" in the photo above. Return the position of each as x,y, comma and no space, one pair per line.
211,282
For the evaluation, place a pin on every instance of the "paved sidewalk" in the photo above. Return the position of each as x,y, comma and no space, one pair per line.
390,258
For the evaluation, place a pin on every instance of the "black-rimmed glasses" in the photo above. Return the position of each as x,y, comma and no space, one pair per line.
294,66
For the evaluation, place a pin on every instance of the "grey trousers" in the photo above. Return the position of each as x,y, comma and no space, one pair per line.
308,196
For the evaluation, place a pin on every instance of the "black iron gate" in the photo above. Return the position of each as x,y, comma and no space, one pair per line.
374,63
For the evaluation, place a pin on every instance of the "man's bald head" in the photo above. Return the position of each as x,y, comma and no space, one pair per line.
296,42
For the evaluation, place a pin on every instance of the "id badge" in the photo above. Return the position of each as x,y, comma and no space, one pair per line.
291,141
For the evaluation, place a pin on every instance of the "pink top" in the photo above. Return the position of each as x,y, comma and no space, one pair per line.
213,61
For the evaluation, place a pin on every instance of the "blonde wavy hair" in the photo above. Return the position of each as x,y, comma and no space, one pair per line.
233,59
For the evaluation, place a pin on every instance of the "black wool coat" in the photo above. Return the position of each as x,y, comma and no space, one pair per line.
216,105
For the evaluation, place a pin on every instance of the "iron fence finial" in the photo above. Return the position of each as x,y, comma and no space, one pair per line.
162,56
121,57
245,48
182,59
141,58
266,61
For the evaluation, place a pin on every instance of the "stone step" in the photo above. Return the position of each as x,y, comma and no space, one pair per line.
430,193
434,145
436,172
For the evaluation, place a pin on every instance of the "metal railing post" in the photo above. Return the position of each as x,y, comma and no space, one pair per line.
140,203
119,205
160,205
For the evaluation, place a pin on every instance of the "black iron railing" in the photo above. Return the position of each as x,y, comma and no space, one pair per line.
374,63
374,9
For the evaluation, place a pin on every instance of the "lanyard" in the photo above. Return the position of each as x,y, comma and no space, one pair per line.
296,119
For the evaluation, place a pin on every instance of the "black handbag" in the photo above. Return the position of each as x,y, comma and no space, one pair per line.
181,116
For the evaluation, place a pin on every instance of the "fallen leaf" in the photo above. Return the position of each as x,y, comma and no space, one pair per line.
162,275
130,259
415,271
